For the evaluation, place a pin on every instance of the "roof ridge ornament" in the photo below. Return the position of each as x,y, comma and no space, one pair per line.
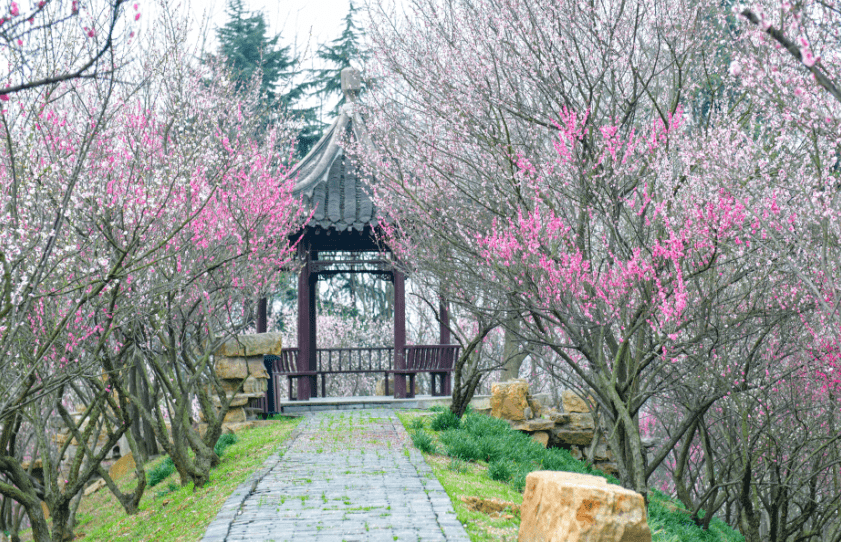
351,84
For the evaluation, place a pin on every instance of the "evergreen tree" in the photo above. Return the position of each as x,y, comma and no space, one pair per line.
247,48
343,52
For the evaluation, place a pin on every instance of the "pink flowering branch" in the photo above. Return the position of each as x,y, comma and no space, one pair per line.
807,58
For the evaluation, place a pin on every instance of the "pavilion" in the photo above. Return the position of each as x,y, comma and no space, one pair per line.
341,237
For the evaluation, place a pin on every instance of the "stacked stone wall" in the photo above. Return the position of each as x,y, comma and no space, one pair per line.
238,364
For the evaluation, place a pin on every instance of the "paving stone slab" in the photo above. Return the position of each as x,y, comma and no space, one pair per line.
341,476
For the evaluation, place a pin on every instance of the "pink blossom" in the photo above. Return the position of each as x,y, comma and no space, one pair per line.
14,10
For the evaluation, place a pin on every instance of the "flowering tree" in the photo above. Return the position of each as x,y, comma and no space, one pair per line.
51,41
585,167
153,218
227,202
786,59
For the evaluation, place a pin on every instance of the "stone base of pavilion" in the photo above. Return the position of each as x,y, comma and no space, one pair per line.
316,404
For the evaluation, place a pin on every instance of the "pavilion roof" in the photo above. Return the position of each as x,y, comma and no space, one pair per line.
329,182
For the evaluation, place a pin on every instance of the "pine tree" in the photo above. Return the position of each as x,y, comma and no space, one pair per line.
246,48
345,51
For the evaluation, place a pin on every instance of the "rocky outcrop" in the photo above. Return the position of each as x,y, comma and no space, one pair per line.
572,402
123,466
97,440
257,344
511,401
568,507
572,428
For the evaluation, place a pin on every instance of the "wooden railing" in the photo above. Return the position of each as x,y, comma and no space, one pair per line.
431,356
330,361
355,360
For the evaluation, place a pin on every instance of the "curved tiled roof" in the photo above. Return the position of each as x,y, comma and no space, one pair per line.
330,184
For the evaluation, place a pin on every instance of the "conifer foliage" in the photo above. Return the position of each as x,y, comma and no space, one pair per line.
249,51
344,52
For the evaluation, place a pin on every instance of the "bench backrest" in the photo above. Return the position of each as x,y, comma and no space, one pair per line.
418,357
285,363
431,357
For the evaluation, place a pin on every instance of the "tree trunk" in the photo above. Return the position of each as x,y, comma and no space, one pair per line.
512,356
748,517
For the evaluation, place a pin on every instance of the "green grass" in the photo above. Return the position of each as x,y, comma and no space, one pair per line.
225,441
179,513
160,471
484,457
472,480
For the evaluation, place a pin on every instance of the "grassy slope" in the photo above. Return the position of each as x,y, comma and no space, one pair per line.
666,518
169,512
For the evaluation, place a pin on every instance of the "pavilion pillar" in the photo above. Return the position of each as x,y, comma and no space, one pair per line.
262,320
443,321
262,315
444,338
306,327
399,334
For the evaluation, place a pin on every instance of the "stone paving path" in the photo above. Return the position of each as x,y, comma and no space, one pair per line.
343,475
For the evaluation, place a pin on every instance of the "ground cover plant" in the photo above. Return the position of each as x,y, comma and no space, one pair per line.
181,513
482,456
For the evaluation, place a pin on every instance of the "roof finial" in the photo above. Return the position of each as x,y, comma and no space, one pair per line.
351,84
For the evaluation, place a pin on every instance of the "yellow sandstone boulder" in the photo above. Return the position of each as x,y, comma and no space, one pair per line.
567,507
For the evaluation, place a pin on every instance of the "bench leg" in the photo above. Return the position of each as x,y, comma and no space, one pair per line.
411,393
323,385
289,378
386,385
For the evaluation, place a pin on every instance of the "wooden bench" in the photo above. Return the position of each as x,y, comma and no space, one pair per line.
286,364
331,361
335,361
437,360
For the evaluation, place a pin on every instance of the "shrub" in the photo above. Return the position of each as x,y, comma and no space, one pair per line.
170,487
479,424
461,444
492,448
161,472
423,442
416,424
500,471
518,478
559,459
445,420
224,442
